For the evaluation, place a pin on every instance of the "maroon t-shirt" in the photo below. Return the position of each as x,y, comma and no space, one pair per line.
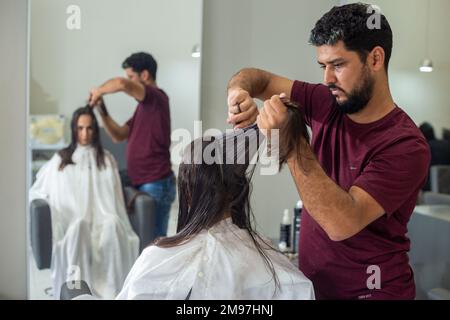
148,154
389,160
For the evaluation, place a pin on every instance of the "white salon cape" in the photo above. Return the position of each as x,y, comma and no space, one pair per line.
221,263
92,237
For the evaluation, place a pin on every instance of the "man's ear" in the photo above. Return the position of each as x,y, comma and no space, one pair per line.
145,75
377,59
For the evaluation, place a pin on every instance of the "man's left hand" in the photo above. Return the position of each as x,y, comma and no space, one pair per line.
273,115
95,96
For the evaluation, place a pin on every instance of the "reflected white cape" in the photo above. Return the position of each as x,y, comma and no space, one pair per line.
92,237
221,263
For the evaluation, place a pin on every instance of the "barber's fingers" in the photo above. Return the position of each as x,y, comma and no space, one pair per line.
267,116
94,97
239,101
273,115
91,100
275,105
245,117
236,96
246,123
262,122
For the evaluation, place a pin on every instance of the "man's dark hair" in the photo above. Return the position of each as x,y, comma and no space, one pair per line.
349,23
141,61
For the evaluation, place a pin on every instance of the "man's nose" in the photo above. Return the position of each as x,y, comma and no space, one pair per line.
329,76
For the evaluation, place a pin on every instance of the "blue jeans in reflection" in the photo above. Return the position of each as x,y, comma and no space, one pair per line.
163,193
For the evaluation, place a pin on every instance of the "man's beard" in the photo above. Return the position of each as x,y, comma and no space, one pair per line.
359,97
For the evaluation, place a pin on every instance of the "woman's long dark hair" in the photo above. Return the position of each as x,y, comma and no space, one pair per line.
66,153
209,190
293,135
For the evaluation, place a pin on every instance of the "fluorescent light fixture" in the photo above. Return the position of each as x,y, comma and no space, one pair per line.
426,66
196,51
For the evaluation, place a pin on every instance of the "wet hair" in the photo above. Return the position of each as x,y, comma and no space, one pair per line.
427,131
293,135
141,61
349,23
208,190
66,153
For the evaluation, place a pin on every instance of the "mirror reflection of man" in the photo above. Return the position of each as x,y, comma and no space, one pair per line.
147,132
365,166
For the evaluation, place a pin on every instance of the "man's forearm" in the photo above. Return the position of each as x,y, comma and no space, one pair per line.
113,85
330,206
254,81
116,132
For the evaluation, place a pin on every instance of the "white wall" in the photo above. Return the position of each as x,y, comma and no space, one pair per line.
66,64
424,96
13,118
271,35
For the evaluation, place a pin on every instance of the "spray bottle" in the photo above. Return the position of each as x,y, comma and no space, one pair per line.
285,232
296,224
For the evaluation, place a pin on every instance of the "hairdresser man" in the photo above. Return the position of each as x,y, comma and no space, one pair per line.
147,132
366,164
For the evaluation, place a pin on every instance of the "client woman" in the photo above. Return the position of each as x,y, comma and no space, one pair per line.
92,236
216,253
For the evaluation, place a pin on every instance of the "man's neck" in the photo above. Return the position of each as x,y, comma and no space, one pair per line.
378,107
150,83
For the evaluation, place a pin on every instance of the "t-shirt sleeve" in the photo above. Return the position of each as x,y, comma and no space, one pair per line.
129,123
393,175
315,101
151,94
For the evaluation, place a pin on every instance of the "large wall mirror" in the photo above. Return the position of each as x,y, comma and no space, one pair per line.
77,45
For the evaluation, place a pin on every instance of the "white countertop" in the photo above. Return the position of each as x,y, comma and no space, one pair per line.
441,212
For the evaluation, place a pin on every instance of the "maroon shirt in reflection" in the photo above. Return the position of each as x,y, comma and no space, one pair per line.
148,149
388,159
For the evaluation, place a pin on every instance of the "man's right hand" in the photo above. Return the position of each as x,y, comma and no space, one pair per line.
101,107
242,109
94,96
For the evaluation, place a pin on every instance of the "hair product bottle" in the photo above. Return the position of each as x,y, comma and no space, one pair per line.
296,224
285,232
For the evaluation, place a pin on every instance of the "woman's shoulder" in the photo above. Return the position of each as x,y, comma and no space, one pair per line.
55,160
109,157
159,263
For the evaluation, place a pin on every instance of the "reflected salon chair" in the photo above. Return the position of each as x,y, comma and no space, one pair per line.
141,212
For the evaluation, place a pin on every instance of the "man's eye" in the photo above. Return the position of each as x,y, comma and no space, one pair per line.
322,67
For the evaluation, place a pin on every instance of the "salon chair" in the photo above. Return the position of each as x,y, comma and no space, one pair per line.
141,212
70,291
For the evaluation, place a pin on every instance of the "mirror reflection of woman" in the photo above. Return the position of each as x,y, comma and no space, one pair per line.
92,236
